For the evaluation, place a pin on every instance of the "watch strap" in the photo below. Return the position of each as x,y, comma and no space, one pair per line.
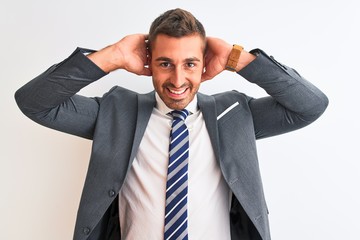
234,58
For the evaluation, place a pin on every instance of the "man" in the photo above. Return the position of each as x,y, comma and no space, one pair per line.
126,192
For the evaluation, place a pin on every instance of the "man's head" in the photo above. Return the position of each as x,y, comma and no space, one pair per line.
177,44
176,23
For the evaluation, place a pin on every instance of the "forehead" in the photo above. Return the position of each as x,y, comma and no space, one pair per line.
172,47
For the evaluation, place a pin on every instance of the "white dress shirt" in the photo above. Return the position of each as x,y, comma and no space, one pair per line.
142,197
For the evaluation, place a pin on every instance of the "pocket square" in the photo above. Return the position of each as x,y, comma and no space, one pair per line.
227,110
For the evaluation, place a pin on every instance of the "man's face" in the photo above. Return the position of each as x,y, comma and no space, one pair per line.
177,65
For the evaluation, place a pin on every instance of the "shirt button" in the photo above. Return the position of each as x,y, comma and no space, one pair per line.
111,193
86,231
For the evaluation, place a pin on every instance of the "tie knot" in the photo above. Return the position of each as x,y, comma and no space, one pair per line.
180,114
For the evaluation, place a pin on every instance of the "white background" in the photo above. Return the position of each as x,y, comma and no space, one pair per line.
311,176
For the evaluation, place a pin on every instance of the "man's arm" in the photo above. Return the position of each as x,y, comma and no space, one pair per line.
293,102
130,53
51,100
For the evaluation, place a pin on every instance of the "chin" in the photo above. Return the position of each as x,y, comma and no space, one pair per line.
177,105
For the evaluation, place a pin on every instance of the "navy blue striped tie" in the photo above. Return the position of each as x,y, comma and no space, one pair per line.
177,179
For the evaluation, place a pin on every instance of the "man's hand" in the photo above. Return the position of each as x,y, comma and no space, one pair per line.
130,54
216,57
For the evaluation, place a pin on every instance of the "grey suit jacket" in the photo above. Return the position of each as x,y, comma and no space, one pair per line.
116,123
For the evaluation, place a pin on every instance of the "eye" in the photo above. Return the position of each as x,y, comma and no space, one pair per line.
165,64
190,64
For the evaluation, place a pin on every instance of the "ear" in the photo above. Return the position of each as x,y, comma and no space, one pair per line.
204,64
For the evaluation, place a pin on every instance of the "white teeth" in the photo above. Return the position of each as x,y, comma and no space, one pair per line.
177,92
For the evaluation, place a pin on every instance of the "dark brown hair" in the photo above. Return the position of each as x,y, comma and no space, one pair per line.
176,23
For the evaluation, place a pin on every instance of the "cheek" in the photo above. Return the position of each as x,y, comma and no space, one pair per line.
196,77
158,80
155,82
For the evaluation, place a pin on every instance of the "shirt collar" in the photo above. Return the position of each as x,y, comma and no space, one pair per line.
192,107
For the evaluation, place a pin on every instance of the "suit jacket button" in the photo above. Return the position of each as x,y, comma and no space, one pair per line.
111,193
86,231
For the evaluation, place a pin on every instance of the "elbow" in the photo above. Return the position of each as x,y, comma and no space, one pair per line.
23,102
323,104
19,100
317,110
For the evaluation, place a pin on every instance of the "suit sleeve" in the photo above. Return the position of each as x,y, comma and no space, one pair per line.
293,102
50,99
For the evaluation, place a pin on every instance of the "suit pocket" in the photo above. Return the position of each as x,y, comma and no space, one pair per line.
228,112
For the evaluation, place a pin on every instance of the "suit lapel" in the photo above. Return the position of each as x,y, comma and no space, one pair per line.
208,108
146,103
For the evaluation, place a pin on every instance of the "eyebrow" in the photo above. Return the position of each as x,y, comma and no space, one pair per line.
166,59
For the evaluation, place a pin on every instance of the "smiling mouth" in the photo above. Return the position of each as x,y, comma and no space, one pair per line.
177,92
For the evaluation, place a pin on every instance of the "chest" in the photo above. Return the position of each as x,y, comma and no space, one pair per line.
147,178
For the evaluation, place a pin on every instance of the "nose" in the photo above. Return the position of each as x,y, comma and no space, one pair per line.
178,79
